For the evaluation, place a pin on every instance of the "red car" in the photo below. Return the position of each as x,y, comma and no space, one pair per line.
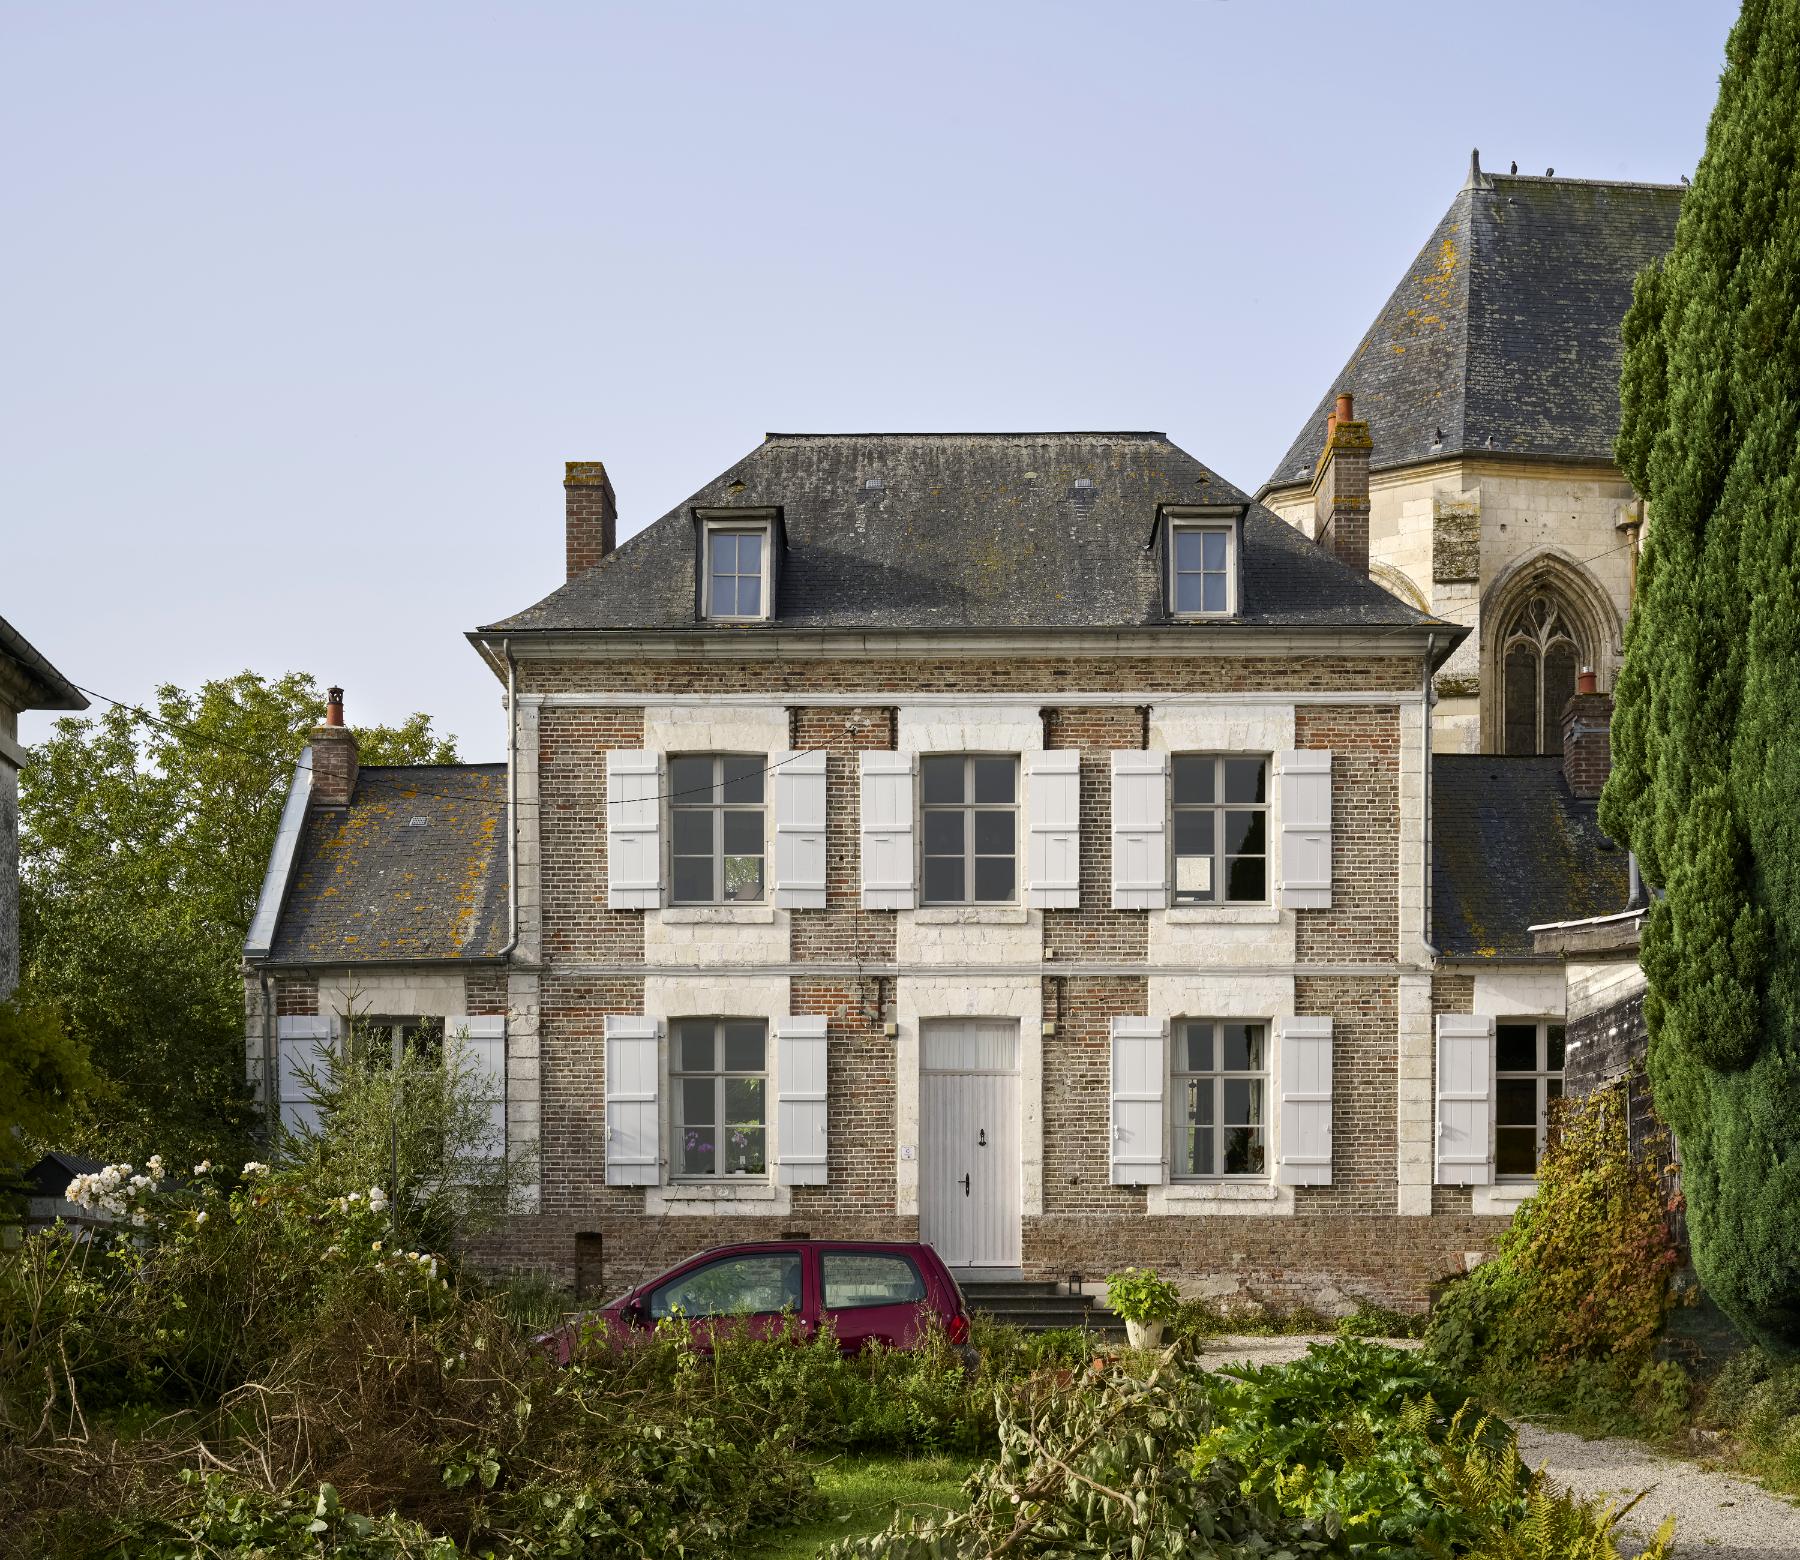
873,1292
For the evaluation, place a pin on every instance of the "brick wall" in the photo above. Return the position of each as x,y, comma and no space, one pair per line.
485,991
1078,1093
1363,922
843,930
296,995
1364,1074
860,1105
1095,931
572,1097
572,748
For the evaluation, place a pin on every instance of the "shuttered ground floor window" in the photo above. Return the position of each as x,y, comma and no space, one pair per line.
719,1073
1220,1079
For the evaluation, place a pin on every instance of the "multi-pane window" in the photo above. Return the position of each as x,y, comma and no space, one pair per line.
1528,1075
716,812
1219,1091
1221,829
734,573
1202,569
719,1072
971,817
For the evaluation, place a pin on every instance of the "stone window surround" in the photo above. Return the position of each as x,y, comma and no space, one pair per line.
1505,994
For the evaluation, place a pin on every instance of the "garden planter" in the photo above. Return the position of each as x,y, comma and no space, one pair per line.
1144,1335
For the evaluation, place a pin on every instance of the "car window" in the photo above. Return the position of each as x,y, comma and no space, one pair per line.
733,1286
854,1278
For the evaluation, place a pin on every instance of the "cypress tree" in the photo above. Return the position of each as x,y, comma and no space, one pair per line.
1706,741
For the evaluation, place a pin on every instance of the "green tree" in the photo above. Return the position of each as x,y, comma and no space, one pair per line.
144,838
45,1080
1706,746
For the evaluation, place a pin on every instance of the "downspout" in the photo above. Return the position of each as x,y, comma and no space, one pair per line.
512,802
271,1105
1425,789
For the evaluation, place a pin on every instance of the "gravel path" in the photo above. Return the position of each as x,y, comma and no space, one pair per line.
1715,1513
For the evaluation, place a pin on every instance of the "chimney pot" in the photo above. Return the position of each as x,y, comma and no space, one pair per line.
1584,683
590,516
334,706
1344,412
334,756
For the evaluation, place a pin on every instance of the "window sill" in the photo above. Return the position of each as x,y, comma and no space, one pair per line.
1223,915
1195,1198
972,915
1503,1198
730,1194
719,915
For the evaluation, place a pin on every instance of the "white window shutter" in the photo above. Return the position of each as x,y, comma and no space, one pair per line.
1053,807
1304,1057
302,1041
1140,812
485,1035
633,829
888,866
1305,829
800,1119
799,830
1465,1100
633,1070
1139,1068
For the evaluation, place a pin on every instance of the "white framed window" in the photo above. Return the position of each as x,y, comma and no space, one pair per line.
718,827
1220,828
1528,1076
1202,570
718,1070
1219,1096
970,822
736,573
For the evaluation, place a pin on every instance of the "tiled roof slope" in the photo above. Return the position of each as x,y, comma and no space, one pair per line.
371,884
965,531
1504,332
1512,847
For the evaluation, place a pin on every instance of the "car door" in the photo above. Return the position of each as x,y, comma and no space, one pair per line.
754,1292
872,1296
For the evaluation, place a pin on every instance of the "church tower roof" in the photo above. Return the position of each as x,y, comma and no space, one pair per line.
1503,336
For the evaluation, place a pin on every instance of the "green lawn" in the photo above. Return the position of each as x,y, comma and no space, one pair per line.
862,1494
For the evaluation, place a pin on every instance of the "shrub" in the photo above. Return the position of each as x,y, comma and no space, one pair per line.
1138,1295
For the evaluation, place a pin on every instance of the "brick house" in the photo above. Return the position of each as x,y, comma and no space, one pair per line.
1018,840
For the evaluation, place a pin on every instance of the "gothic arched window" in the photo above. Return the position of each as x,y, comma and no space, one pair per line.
1539,657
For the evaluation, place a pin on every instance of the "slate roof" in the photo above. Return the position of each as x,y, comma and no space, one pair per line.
1512,847
1504,332
967,531
370,884
44,686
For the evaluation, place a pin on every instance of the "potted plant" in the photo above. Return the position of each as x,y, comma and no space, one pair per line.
1145,1301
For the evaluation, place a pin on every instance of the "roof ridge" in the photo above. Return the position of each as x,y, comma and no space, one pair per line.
979,433
1557,178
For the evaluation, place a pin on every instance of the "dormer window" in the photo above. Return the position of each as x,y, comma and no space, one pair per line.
737,572
1202,556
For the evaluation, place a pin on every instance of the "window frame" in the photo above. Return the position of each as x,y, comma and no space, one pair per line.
764,531
716,809
1229,522
1543,1075
1219,1076
1218,808
720,1075
967,809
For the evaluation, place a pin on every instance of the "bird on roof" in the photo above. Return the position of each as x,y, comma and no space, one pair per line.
1515,166
1549,173
1684,181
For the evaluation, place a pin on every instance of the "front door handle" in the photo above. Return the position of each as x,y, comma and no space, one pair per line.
965,1186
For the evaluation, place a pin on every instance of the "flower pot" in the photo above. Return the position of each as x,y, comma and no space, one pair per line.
1144,1335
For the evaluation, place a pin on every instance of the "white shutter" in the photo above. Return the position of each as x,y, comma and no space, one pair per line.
633,829
1304,1057
800,1119
1139,1047
302,1041
485,1034
1053,807
887,831
1465,1092
799,830
1140,810
633,1068
1305,829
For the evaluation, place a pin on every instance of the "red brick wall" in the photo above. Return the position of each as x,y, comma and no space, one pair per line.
572,748
843,930
572,1094
1078,1093
296,994
1363,923
1095,931
485,991
860,1089
1364,1071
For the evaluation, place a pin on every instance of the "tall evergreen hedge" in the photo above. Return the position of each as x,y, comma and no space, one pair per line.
1706,739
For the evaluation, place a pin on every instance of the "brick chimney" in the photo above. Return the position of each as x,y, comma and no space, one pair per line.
591,527
333,756
1587,738
1341,488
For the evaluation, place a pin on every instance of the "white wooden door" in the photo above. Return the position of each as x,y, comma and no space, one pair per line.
969,1170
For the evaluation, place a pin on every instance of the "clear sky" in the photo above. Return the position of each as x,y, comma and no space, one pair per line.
306,304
